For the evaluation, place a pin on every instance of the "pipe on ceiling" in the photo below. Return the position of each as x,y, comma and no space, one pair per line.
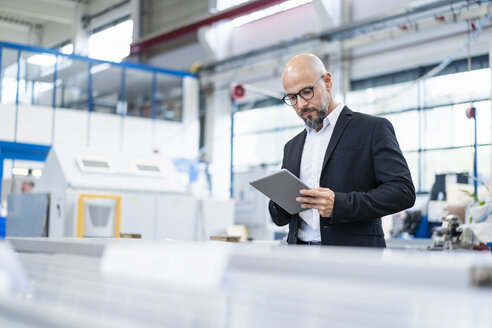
142,46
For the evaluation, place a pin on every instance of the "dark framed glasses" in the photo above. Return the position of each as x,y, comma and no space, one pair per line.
307,93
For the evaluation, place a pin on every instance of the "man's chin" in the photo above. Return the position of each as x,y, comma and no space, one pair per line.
313,124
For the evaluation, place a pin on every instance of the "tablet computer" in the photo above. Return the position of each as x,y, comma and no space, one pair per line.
282,187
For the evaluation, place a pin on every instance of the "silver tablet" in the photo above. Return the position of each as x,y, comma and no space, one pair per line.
282,187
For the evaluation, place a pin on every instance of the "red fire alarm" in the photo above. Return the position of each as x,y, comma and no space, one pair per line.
470,112
238,92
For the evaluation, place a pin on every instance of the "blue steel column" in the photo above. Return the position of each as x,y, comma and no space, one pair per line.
89,88
55,77
154,91
17,94
1,174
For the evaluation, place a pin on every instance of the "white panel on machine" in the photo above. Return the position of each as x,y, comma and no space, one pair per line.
139,214
177,217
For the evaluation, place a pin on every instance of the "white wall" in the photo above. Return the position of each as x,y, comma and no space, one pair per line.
54,35
137,134
14,32
34,124
7,122
70,127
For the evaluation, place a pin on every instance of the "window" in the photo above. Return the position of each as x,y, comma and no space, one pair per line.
435,137
221,5
9,76
112,43
257,15
260,135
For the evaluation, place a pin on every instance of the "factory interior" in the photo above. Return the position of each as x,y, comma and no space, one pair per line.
144,144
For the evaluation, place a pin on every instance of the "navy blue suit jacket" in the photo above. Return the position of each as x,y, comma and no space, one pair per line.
364,166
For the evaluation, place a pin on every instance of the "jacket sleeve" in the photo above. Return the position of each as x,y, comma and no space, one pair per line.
395,191
279,216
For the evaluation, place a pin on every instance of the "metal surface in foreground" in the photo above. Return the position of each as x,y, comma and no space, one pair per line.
261,286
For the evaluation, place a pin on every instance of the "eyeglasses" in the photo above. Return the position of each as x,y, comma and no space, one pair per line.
307,93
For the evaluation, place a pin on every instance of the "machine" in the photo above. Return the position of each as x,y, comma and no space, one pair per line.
101,193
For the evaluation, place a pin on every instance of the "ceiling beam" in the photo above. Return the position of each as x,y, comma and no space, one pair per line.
44,10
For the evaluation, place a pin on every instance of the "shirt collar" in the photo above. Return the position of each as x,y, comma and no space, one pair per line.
330,119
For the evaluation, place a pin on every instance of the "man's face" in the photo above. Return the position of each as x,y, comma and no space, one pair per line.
312,111
26,188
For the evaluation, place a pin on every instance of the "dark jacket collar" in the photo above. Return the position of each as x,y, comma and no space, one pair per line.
294,164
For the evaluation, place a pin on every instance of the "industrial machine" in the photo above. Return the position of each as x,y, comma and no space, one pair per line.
454,235
101,193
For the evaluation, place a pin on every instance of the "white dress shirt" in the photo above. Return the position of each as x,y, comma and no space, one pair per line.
313,155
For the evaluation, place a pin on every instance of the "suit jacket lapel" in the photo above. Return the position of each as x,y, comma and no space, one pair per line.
342,122
294,164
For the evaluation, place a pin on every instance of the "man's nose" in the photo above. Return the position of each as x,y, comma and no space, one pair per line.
301,102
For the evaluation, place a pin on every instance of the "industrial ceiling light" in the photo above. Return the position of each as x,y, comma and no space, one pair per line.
20,171
37,173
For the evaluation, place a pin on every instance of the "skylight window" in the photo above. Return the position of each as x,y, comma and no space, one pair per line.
67,49
226,4
257,15
113,43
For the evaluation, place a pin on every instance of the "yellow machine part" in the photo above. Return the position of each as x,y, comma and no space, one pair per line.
81,213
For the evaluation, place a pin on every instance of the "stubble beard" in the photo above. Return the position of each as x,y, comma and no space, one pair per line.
316,122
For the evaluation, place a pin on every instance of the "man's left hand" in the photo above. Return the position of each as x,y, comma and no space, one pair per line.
321,199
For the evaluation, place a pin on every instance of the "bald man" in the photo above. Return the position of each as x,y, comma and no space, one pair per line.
351,161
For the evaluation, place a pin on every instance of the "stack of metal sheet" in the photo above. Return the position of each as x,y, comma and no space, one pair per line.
260,286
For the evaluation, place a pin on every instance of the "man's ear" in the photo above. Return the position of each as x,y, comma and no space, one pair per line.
327,80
